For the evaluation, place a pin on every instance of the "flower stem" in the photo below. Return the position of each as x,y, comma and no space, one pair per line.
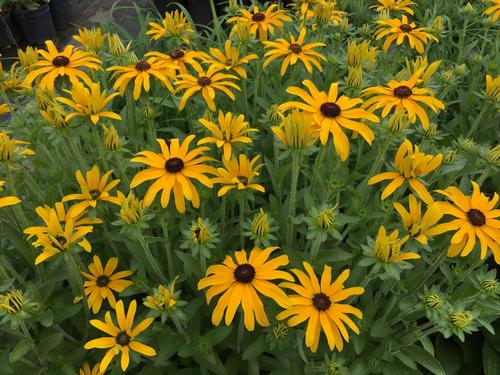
28,336
241,330
168,249
315,248
437,262
75,279
293,196
76,151
150,259
479,118
216,22
241,201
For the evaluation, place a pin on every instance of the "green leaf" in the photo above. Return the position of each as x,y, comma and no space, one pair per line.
46,318
423,358
381,329
255,349
20,350
217,335
50,342
491,360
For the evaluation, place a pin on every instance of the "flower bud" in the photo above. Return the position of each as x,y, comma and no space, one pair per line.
461,320
111,137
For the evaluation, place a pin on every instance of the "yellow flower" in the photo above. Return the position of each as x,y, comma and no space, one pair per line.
332,113
398,30
11,148
422,67
122,338
229,130
264,22
395,5
4,108
403,94
411,164
361,53
493,87
86,370
9,200
229,59
475,217
293,51
354,76
111,137
68,63
304,6
239,176
297,130
94,188
55,115
28,58
325,14
132,208
206,82
494,10
242,282
318,303
116,46
90,39
173,170
163,298
175,24
101,282
413,222
178,59
387,248
89,103
12,82
12,302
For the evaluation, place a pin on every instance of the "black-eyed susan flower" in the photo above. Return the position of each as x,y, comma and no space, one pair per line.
12,81
416,225
242,282
122,338
12,302
201,238
94,188
69,62
411,164
394,5
4,108
87,370
403,94
111,137
305,6
12,149
318,303
475,219
8,200
178,59
229,130
116,46
91,39
325,13
421,65
332,113
89,102
400,29
206,83
173,169
163,298
238,173
131,208
493,10
174,25
293,51
229,59
361,53
55,115
493,87
260,229
297,131
263,22
387,248
28,58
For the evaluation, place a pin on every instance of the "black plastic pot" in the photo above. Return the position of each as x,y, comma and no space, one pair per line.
36,25
9,32
62,13
200,11
165,5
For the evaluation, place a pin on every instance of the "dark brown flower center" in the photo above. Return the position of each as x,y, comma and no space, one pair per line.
204,81
402,92
243,180
102,281
142,66
177,54
258,17
95,194
244,273
321,301
122,338
295,48
476,217
174,165
60,61
330,109
405,28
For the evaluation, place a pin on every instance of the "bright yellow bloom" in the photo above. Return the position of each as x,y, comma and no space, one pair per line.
494,10
11,148
403,94
493,87
417,226
239,176
55,115
264,22
175,25
70,63
111,137
318,303
325,14
28,58
12,302
228,130
397,30
395,5
411,164
12,81
178,59
101,282
163,298
89,103
293,51
387,248
305,6
173,170
422,67
475,217
132,208
205,82
361,53
242,282
229,59
4,108
122,338
86,370
94,188
297,130
90,39
7,201
332,113
116,46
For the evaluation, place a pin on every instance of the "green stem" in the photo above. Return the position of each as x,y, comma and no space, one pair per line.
484,176
437,262
216,22
76,151
478,120
28,336
168,248
293,196
20,216
258,69
131,115
241,201
315,248
241,330
75,279
33,184
223,209
150,259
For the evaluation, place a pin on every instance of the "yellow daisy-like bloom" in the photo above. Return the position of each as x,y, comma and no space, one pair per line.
229,59
163,298
475,218
403,94
417,226
332,113
242,282
396,5
293,51
297,130
94,188
28,57
122,338
264,22
239,176
397,30
4,108
230,129
12,82
305,6
131,208
11,148
86,370
141,74
318,302
7,201
91,39
422,67
205,82
173,170
70,63
493,87
101,283
12,302
174,24
325,14
387,248
89,103
411,164
178,59
494,10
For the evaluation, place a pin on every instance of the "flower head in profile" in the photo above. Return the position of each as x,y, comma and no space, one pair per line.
229,59
423,68
55,115
318,302
111,137
4,108
325,13
297,131
201,238
394,5
131,208
493,10
361,54
28,58
163,298
87,370
12,81
174,25
12,303
7,200
387,248
122,337
178,59
243,282
91,39
260,228
411,164
493,87
238,173
12,149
